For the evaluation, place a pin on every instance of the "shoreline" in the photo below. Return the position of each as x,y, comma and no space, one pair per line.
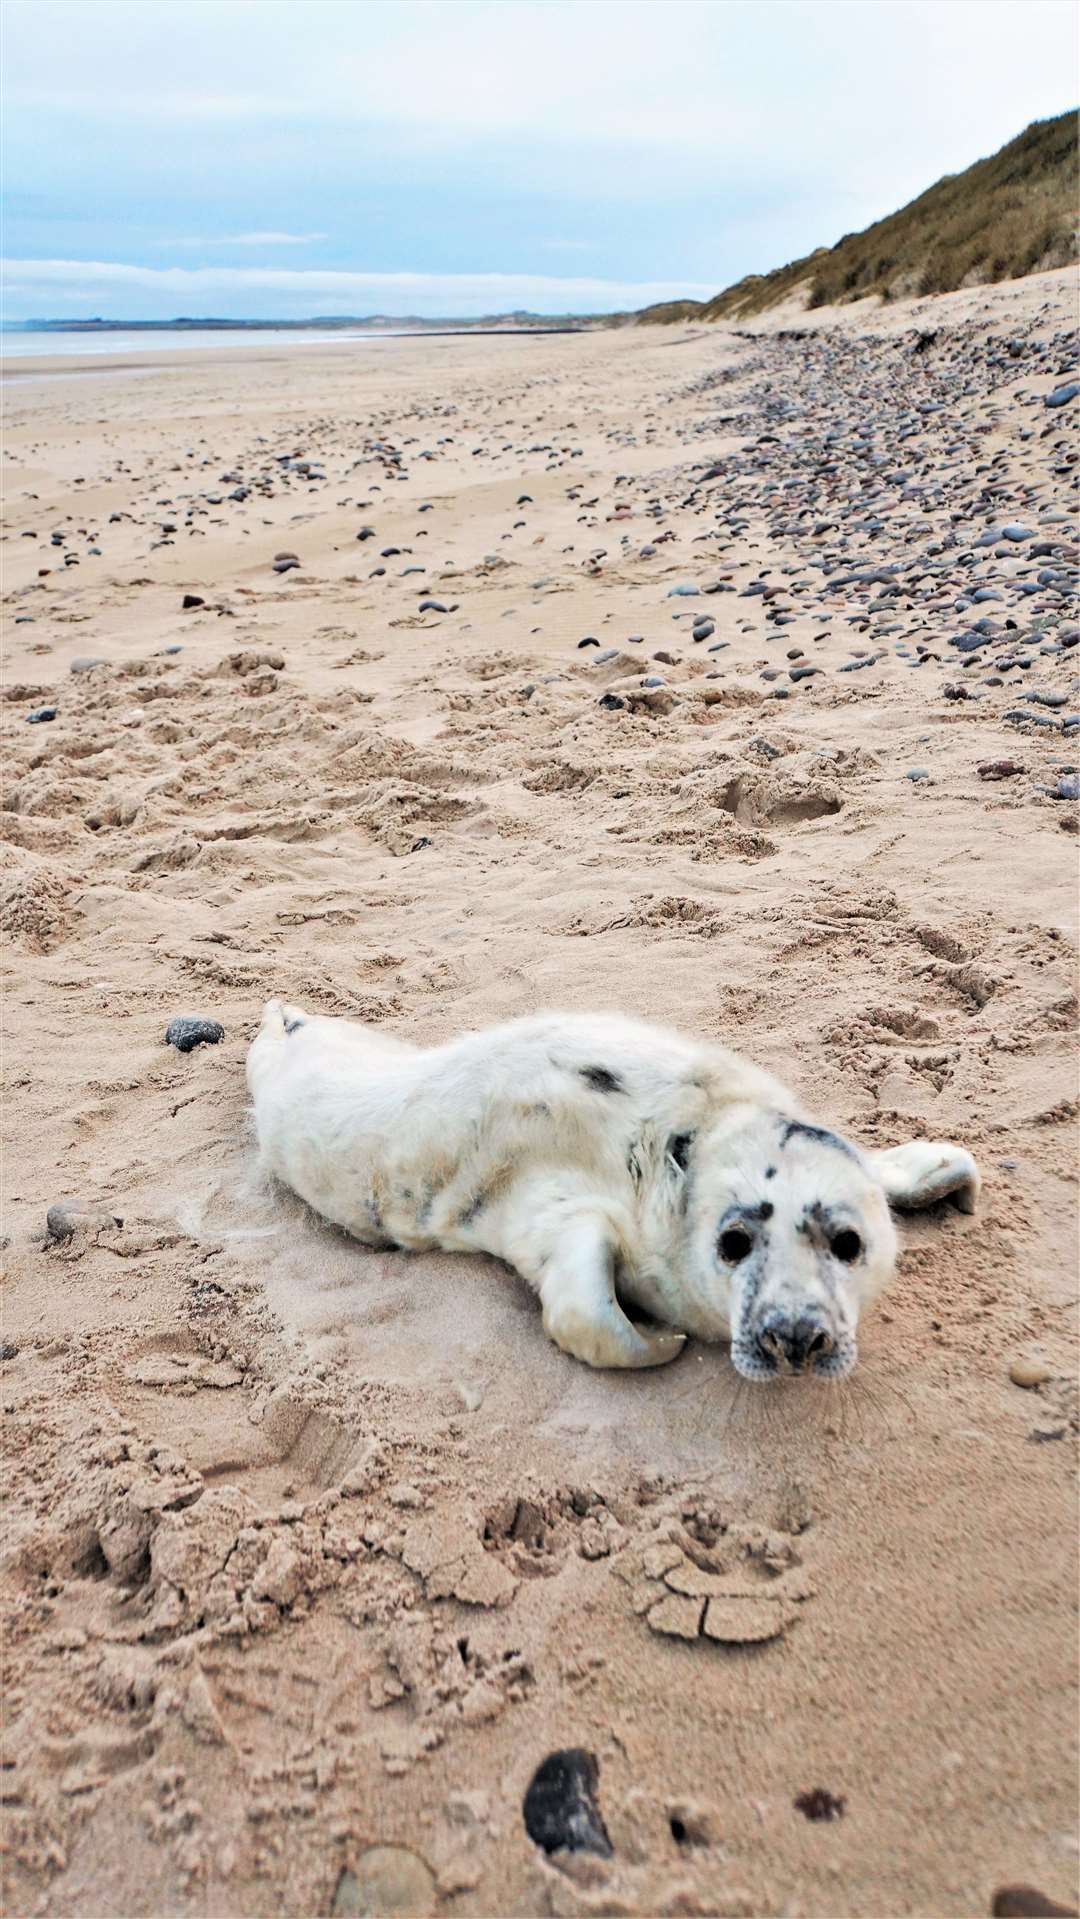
134,358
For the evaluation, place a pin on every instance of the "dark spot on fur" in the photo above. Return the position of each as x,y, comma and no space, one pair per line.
798,1129
474,1208
765,1210
679,1149
374,1214
602,1080
294,1025
770,1172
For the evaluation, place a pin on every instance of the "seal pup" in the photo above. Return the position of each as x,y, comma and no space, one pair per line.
614,1164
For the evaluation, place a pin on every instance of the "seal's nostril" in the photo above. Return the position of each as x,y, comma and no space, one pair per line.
772,1340
798,1343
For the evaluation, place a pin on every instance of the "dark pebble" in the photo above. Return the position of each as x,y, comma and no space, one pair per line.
998,769
185,1033
818,1803
190,601
560,1809
1026,1902
40,714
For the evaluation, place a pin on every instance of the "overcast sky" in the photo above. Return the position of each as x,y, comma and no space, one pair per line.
297,157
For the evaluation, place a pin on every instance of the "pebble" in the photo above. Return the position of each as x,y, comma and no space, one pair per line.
918,773
1067,788
1029,1372
190,601
560,1807
84,663
388,1881
8,1349
1063,394
999,769
820,1804
186,1032
703,629
683,592
1026,1902
40,714
65,1215
432,606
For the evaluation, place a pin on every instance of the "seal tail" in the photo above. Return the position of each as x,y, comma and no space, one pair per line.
278,1021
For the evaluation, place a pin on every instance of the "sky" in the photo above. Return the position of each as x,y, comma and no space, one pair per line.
290,158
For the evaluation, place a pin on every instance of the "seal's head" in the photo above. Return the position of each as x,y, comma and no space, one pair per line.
789,1238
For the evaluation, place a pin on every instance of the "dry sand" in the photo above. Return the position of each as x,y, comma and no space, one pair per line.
309,1550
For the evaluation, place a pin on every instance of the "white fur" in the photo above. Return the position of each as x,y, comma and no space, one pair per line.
610,1162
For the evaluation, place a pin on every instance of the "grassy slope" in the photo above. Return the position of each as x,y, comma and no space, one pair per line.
1008,215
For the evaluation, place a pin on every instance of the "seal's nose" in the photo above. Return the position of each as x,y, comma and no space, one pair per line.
794,1343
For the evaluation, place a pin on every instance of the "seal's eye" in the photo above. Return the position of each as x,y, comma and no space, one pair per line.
735,1244
846,1245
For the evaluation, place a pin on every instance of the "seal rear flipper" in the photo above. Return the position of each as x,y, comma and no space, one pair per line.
925,1171
278,1021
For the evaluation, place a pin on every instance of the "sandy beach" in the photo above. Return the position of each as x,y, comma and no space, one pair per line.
728,679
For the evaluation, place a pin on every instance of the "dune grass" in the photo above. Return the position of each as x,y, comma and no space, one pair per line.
1010,214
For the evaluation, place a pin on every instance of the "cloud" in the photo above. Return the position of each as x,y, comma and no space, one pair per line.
700,138
160,292
257,239
271,239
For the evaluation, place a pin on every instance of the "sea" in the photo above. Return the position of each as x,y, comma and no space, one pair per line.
20,344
